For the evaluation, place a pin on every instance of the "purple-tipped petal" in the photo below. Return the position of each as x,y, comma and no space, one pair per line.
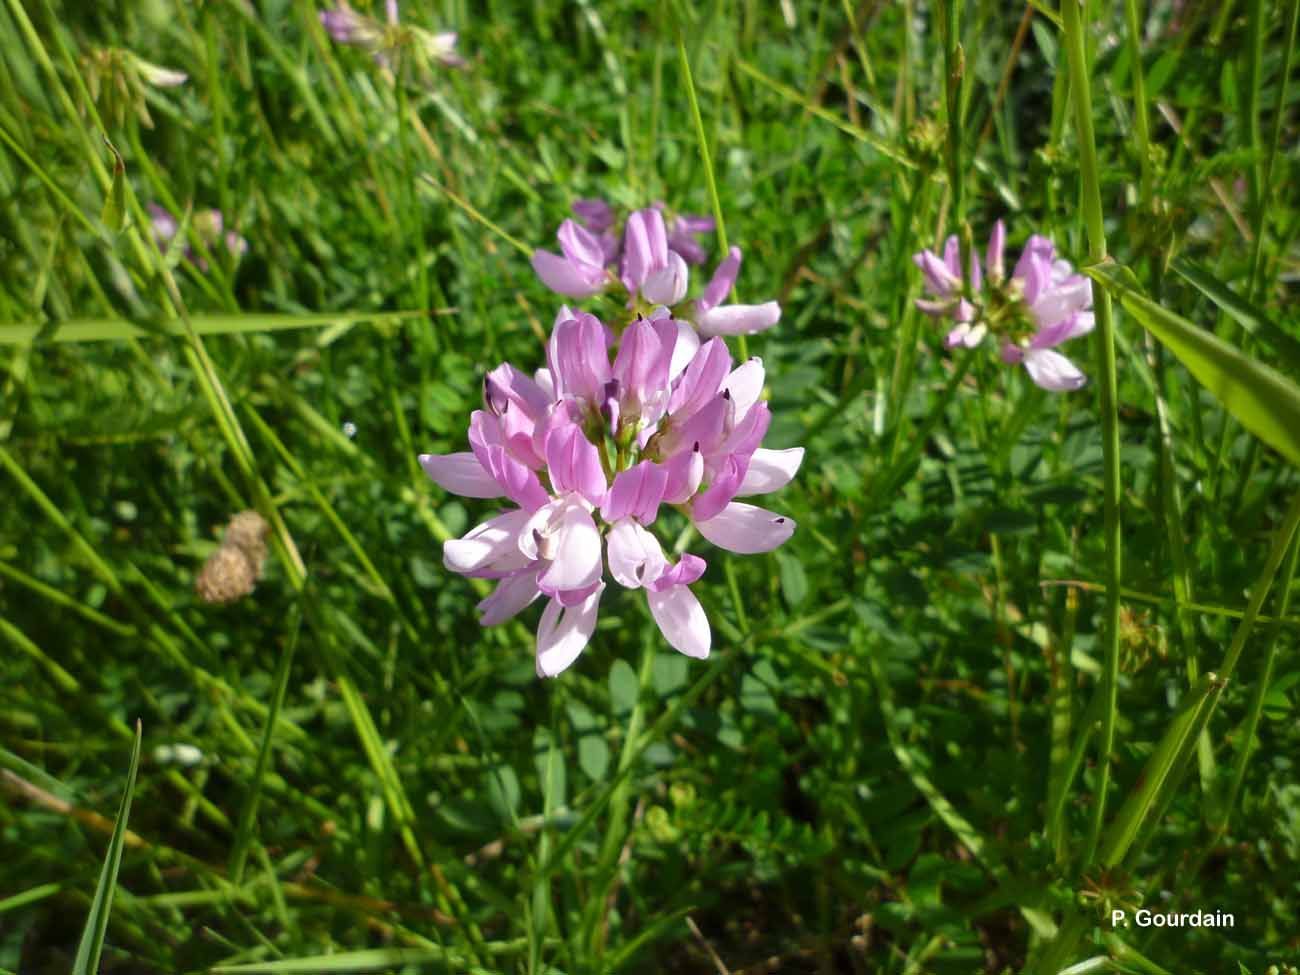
739,319
595,213
580,245
1034,269
460,473
996,256
770,470
746,529
701,379
574,464
636,493
681,620
939,278
723,280
723,489
685,572
745,384
1053,371
567,278
564,631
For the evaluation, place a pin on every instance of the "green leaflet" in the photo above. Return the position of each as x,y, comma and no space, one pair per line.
1263,400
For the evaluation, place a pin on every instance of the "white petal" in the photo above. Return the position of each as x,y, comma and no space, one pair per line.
485,544
684,349
746,529
681,619
1053,371
562,633
635,556
745,383
770,470
462,474
576,562
667,286
739,319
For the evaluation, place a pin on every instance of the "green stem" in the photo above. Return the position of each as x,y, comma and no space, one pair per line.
1081,95
1141,123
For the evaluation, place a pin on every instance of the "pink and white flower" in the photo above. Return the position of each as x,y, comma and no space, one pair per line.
1043,304
590,451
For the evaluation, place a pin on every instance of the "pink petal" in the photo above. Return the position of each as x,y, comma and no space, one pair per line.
1058,302
511,595
682,621
563,633
690,568
636,493
574,464
460,473
995,258
724,487
580,246
746,529
770,470
564,277
723,280
939,278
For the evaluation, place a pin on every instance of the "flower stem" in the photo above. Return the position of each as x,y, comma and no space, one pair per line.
1081,95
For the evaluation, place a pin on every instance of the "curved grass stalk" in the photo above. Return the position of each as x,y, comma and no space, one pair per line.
1081,95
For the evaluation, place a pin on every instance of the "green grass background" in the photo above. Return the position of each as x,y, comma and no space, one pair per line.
858,780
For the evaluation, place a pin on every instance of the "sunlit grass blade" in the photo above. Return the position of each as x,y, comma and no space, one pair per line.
1243,312
374,960
1259,397
117,329
92,937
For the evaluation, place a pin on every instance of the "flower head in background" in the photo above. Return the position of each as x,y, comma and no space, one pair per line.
588,451
208,224
650,262
386,40
119,81
1042,304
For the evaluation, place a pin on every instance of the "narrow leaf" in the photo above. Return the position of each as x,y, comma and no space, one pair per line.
1242,312
1260,398
114,213
373,960
92,938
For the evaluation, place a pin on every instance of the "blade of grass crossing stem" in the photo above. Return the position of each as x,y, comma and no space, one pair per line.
92,937
1259,397
1089,172
1242,311
248,815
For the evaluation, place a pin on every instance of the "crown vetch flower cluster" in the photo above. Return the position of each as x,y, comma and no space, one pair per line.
1042,304
589,450
383,39
648,260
